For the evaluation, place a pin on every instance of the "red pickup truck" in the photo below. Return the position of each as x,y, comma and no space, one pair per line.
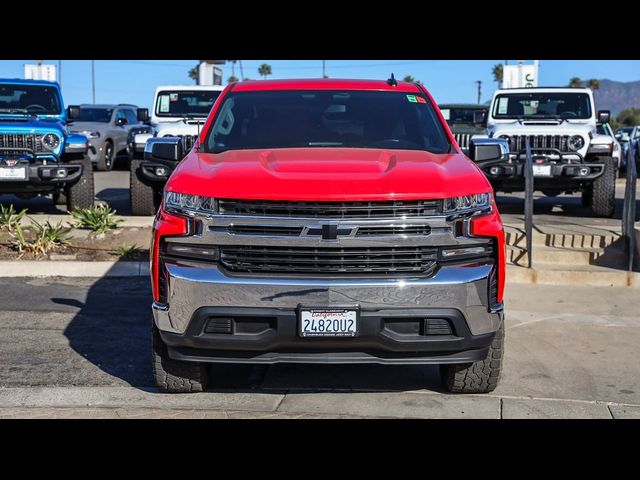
327,221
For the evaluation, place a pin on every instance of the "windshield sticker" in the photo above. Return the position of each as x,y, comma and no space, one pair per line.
173,97
412,98
502,105
164,104
421,100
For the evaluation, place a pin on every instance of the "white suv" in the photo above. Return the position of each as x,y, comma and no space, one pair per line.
569,155
178,111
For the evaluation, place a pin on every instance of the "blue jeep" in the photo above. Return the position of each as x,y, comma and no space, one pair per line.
38,155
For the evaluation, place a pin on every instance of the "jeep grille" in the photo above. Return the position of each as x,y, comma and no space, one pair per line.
31,143
517,143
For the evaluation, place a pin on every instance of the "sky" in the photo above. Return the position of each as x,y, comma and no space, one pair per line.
134,81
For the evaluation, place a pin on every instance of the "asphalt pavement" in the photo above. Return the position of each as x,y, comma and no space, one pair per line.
76,347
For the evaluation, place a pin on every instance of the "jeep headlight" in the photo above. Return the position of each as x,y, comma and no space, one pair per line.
468,203
576,142
51,141
190,204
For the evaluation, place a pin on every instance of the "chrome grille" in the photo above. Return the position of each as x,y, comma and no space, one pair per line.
187,142
326,261
517,143
31,143
463,140
362,231
337,210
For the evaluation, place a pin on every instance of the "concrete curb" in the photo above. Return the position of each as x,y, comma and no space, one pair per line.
128,221
71,268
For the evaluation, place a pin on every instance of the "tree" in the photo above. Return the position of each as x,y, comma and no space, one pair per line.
593,84
264,70
629,117
408,78
498,73
232,79
193,74
575,82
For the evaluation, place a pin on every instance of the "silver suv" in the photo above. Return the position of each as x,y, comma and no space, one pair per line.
107,127
569,155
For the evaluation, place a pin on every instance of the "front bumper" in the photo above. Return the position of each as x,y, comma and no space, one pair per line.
155,173
42,178
458,294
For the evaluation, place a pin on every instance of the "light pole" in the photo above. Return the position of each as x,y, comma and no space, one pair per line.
323,69
479,82
60,72
93,80
241,72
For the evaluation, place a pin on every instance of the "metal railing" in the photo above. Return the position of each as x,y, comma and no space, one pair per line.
528,201
629,208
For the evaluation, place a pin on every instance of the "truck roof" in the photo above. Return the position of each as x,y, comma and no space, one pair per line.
464,105
23,81
189,87
323,84
537,89
106,105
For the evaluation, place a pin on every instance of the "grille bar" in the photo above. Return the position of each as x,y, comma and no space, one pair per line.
29,141
336,210
383,260
517,143
462,139
285,231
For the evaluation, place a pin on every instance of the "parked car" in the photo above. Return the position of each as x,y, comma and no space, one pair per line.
568,154
628,136
38,154
327,221
605,129
108,128
465,120
179,111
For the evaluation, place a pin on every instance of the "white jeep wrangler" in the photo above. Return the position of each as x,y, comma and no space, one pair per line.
568,153
178,111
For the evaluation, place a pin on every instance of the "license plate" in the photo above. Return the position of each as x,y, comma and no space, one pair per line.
11,173
328,322
541,170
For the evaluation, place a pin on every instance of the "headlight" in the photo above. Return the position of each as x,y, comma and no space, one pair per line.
576,142
92,134
468,203
51,141
190,204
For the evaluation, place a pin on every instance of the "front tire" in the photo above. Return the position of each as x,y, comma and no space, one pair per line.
143,196
604,190
477,377
174,376
81,194
105,161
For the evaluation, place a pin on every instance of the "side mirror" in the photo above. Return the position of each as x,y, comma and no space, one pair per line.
479,118
163,149
121,121
604,116
73,112
143,115
618,136
488,149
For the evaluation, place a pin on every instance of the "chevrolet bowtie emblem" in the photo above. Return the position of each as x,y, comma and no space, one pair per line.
329,231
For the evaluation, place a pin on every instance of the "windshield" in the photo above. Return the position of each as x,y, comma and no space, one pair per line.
326,118
461,115
184,103
36,99
102,115
566,105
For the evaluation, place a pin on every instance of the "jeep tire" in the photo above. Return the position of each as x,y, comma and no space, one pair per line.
174,376
143,196
81,194
481,376
603,198
106,158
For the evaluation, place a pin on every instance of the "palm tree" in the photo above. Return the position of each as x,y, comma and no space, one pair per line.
241,72
232,79
593,84
575,82
233,67
498,73
193,74
264,70
408,78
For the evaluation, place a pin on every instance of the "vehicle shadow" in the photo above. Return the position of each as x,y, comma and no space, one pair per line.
116,198
111,330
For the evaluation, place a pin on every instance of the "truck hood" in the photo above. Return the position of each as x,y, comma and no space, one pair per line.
28,124
540,127
328,174
179,127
